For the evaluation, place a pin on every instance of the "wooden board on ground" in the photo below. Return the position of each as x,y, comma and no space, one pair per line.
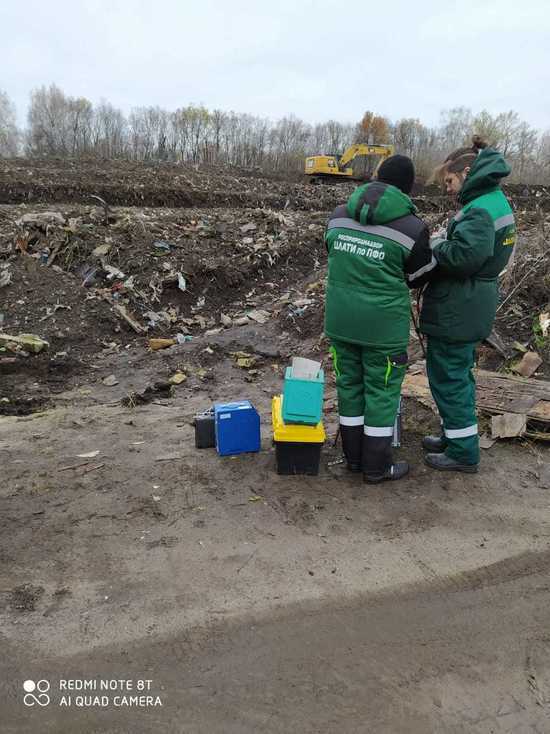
496,394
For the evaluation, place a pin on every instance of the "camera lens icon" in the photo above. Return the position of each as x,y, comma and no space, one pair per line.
30,699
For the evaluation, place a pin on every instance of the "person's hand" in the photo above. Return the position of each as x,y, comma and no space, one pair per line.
439,233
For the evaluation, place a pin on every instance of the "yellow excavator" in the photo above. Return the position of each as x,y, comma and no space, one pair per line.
334,168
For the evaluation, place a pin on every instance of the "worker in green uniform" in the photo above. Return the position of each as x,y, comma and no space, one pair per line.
460,301
377,246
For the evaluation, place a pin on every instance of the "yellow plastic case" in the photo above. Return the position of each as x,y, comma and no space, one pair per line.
290,432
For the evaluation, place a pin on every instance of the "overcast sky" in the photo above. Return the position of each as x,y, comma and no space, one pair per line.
317,59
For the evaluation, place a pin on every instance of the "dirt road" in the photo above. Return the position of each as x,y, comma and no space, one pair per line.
262,603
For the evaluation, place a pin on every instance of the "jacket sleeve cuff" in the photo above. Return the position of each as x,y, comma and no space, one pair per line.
435,242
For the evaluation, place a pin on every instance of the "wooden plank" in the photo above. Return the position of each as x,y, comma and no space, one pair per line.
496,393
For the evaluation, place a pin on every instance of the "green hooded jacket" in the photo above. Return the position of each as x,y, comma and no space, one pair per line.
377,248
460,302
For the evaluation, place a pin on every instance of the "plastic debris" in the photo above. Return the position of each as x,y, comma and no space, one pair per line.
123,313
101,250
244,359
260,316
113,272
162,245
182,283
89,455
156,344
544,322
5,278
41,218
110,381
241,321
177,378
28,342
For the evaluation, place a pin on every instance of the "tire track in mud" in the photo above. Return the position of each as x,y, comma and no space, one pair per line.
514,568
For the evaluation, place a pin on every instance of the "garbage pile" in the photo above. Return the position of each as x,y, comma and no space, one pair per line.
161,273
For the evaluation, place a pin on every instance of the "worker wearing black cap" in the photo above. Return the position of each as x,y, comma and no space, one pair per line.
377,246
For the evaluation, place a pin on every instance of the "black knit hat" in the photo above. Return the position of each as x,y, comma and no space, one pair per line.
397,170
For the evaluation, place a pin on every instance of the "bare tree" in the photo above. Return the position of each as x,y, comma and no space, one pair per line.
455,128
9,134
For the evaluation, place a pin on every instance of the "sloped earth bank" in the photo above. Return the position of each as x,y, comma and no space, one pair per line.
252,602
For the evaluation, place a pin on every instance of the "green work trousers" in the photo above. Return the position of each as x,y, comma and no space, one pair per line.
368,382
449,366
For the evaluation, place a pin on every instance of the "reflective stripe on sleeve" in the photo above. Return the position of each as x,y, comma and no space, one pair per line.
461,432
381,231
355,420
376,431
425,269
504,221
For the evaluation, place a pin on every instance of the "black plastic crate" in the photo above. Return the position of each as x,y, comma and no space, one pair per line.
297,458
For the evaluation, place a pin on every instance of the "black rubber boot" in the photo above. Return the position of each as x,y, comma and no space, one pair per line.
352,442
378,465
434,444
442,462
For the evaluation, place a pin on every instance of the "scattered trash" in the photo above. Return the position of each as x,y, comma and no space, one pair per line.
528,365
89,455
40,219
123,313
261,317
544,322
177,378
51,310
508,425
255,498
519,347
113,272
5,278
88,274
485,441
241,321
101,250
250,227
199,304
110,381
28,342
226,320
247,362
157,390
156,344
182,283
162,245
244,359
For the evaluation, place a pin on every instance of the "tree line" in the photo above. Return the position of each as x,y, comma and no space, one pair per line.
59,125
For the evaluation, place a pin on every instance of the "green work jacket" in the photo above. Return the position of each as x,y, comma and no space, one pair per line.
460,301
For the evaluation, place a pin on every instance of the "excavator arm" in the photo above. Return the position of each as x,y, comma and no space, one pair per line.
363,149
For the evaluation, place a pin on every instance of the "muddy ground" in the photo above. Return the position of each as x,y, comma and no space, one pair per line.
253,602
